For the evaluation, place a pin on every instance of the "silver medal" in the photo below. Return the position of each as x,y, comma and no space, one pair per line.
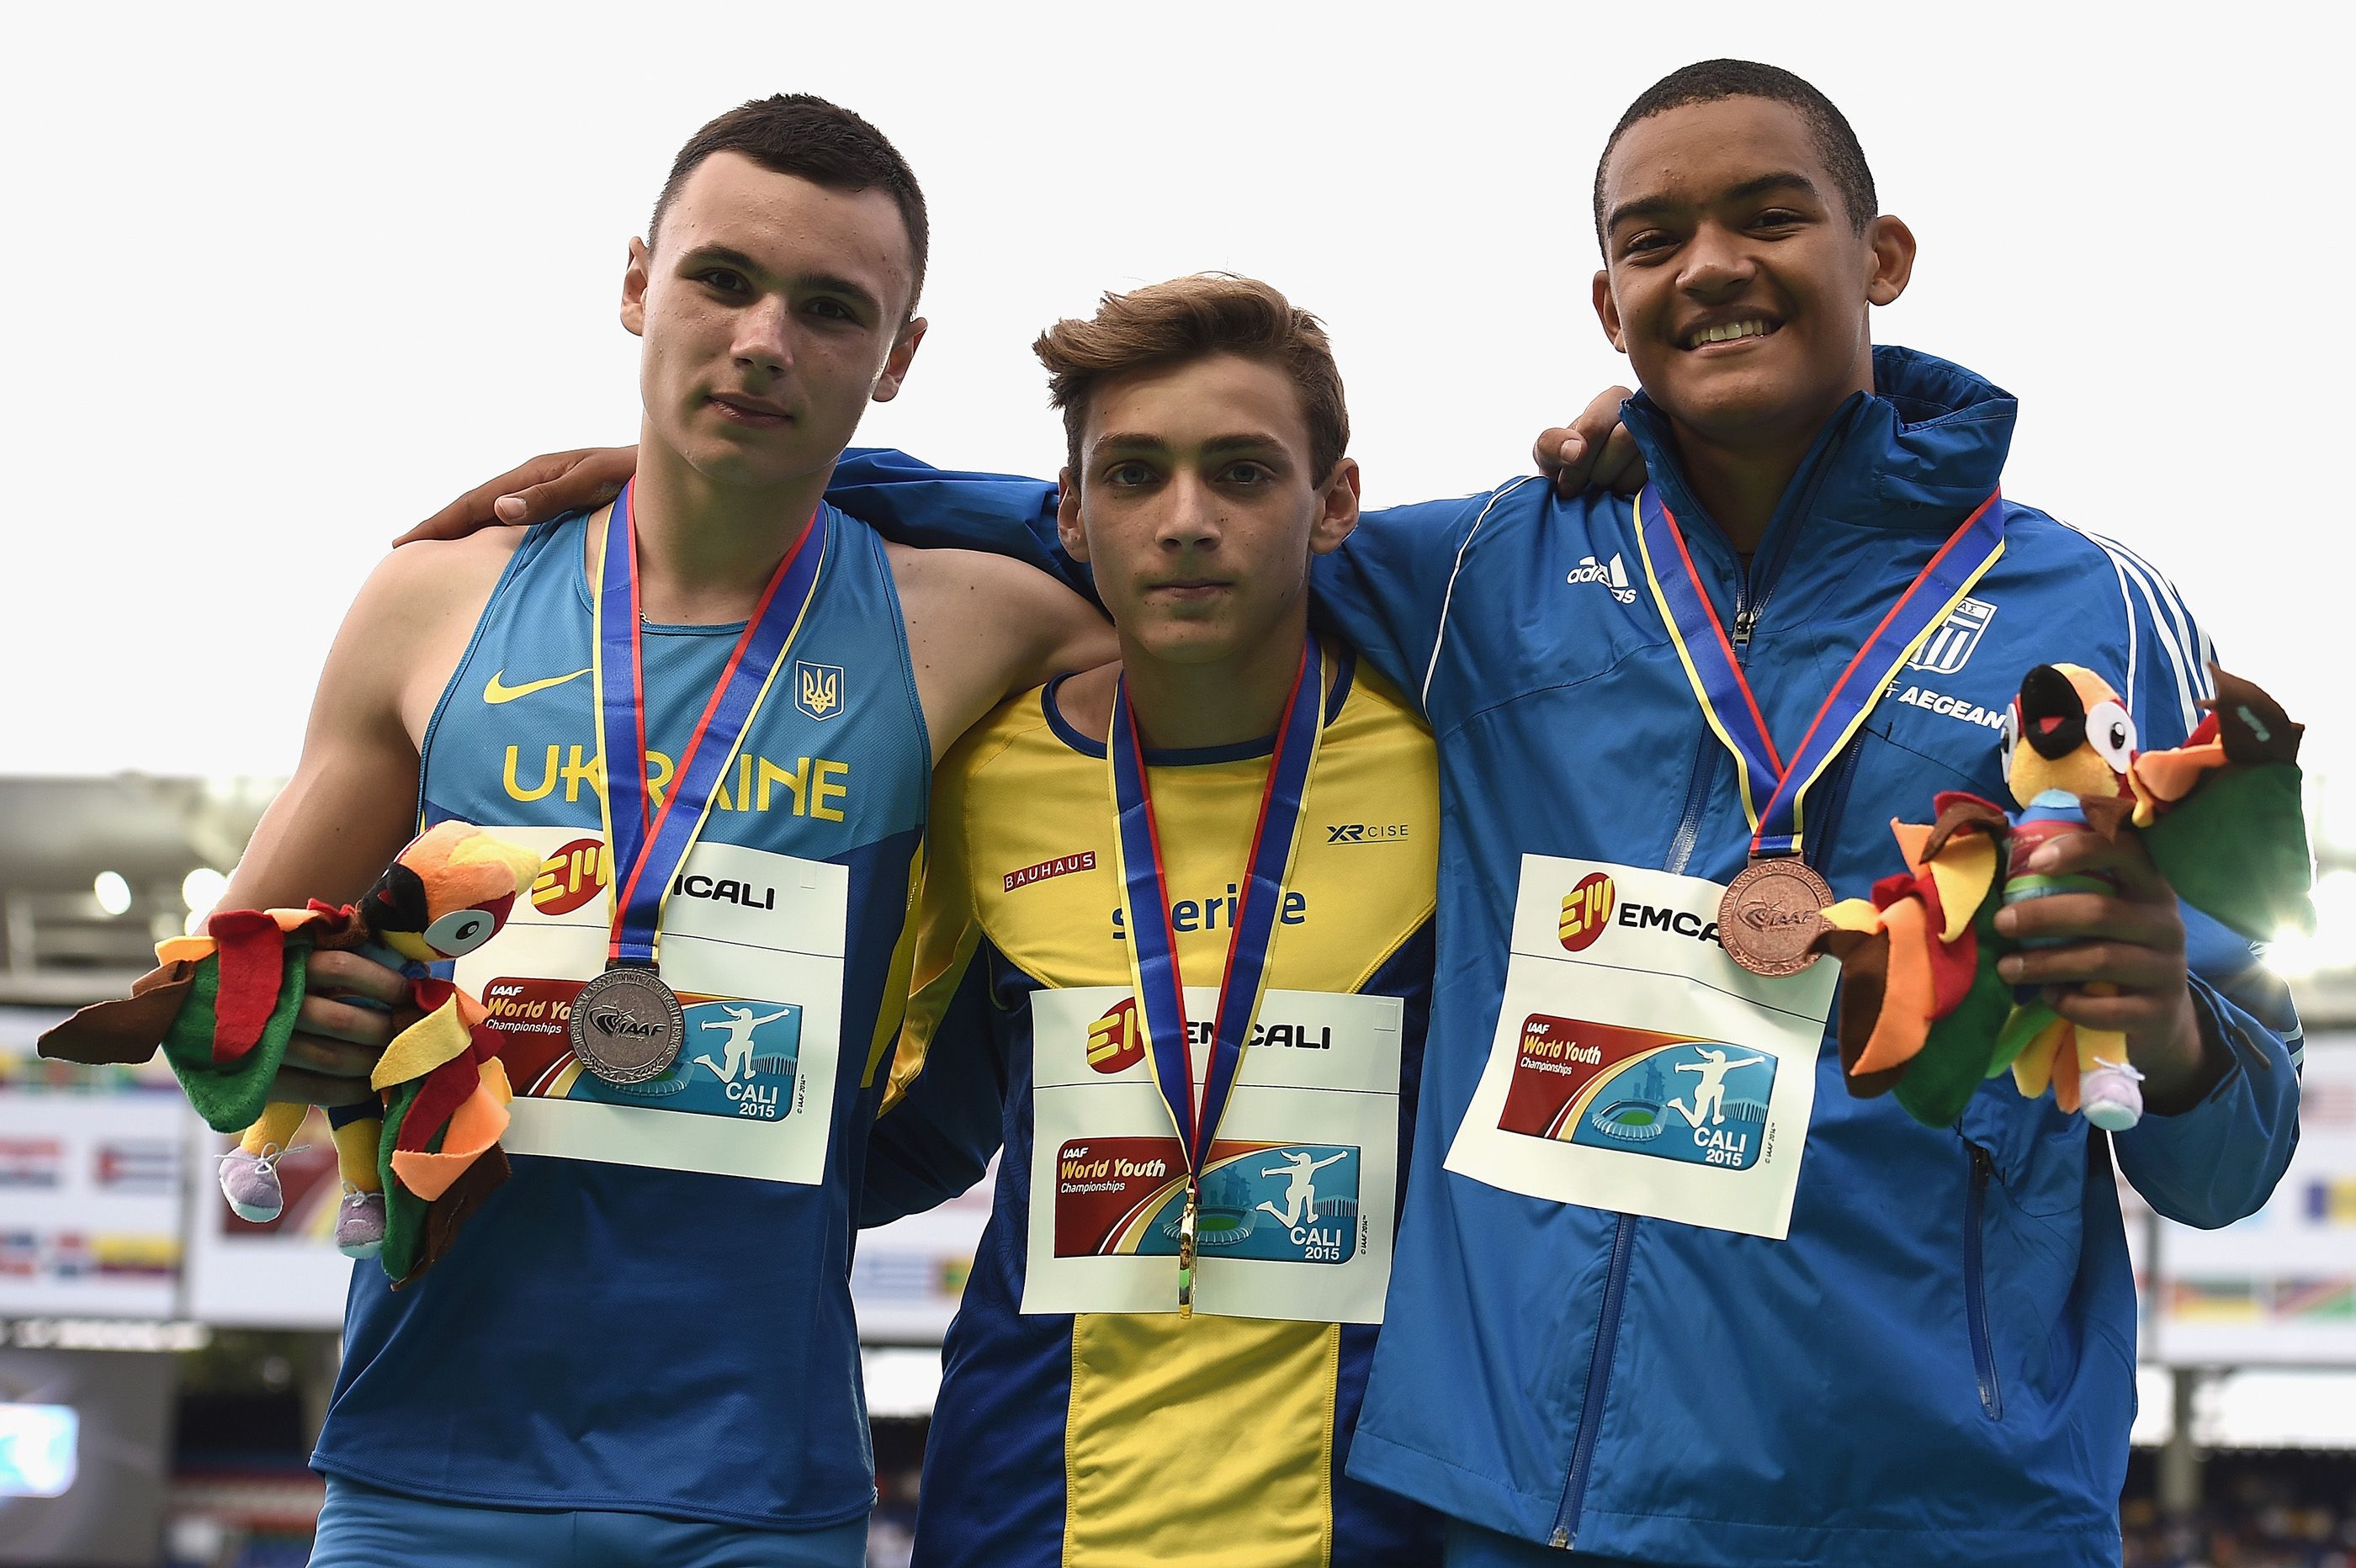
627,1026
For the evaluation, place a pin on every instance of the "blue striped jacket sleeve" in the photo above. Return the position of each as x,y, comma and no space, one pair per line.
2218,1162
1392,585
914,503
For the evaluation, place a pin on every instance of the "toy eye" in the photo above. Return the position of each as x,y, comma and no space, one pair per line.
2010,740
2112,734
460,932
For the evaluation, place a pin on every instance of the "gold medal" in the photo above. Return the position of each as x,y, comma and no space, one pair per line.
1186,1252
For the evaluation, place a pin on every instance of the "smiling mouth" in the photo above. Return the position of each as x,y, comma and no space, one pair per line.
1729,332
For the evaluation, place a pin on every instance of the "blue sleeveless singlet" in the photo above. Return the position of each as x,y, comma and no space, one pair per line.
654,1313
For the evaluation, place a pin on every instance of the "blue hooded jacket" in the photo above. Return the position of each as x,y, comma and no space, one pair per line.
1938,1365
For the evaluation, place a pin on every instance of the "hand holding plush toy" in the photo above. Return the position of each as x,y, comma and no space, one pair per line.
1923,1012
412,1160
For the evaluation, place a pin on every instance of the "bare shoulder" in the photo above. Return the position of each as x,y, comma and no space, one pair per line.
982,627
409,624
937,580
432,574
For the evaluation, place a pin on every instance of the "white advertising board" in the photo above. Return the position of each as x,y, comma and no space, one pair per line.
284,1275
908,1277
2279,1287
90,1184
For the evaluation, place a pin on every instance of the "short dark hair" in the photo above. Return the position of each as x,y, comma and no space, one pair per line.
1708,82
1192,318
802,134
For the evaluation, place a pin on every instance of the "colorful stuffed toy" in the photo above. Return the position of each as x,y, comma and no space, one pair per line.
224,1005
1923,1012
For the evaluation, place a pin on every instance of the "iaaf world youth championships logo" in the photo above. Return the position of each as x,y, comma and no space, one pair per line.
742,1059
1698,1102
752,1050
1279,1203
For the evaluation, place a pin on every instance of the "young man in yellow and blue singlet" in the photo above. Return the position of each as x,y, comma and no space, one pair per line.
1187,892
642,1348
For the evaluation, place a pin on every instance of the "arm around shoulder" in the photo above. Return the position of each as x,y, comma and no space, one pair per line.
983,627
1393,584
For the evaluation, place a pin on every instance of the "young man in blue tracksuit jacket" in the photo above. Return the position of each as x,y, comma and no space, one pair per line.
1936,1364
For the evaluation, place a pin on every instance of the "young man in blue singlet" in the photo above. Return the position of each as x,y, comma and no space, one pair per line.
1923,1349
642,1350
1082,1419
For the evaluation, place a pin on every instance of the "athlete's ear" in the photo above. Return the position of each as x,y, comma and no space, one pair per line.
1337,509
895,364
633,288
1068,516
1607,311
1893,245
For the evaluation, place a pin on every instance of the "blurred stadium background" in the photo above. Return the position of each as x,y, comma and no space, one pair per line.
163,1367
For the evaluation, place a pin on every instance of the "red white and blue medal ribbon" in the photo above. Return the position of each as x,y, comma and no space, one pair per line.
1153,939
1774,790
649,846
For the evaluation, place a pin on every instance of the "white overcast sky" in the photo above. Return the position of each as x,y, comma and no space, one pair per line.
280,280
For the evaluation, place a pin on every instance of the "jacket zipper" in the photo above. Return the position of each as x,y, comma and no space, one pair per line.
1598,1382
1624,1235
1975,1283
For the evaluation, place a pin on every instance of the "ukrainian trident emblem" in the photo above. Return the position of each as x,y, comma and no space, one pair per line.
818,688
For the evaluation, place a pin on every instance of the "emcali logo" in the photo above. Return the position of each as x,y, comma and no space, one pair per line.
1586,911
1611,574
570,877
1115,1042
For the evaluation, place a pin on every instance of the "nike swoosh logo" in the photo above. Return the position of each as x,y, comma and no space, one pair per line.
496,691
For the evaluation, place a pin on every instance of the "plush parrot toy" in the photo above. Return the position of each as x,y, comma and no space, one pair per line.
1923,1014
421,1154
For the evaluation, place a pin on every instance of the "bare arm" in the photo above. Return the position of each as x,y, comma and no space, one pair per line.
352,803
982,627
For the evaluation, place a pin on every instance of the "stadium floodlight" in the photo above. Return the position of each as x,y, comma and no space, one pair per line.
2297,956
113,894
201,888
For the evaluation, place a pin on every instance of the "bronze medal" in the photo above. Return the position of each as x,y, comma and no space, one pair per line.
626,1025
1770,915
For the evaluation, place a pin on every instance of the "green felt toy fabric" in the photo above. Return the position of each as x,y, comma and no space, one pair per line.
1953,1061
231,1099
404,1212
2236,849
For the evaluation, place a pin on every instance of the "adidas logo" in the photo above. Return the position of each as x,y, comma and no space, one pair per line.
1613,575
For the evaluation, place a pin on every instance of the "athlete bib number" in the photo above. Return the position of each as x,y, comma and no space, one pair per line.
1299,1193
753,942
1636,1066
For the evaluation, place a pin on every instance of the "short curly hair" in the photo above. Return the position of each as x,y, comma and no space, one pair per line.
1709,82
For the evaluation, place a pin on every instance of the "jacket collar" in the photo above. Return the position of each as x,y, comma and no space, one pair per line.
1918,453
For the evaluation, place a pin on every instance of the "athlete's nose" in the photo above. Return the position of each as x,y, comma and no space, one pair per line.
1716,263
1193,520
762,343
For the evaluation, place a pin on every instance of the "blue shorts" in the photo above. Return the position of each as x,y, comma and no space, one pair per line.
364,1528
